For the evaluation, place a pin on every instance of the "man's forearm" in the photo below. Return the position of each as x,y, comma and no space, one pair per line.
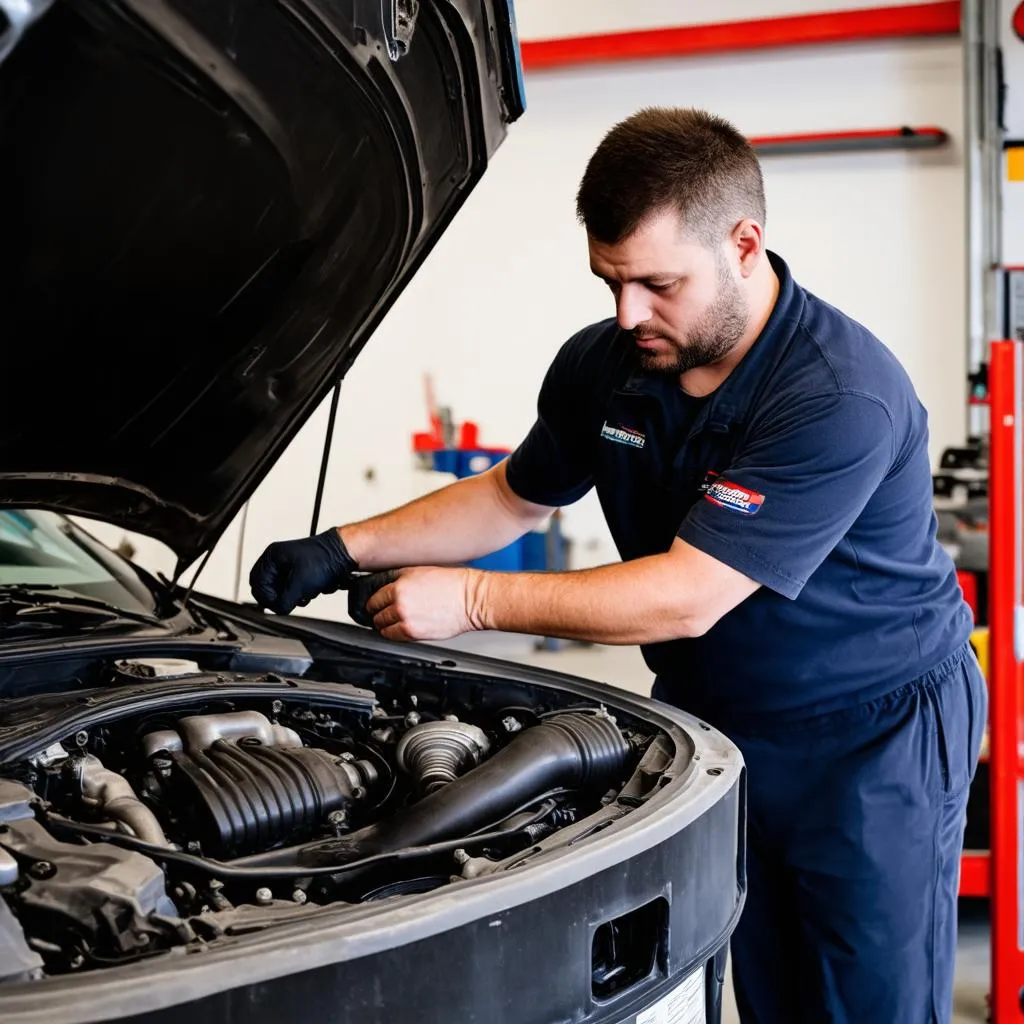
637,602
455,524
681,593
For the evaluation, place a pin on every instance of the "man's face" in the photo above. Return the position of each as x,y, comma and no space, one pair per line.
680,299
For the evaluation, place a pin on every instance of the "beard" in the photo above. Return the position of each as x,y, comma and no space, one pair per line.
707,341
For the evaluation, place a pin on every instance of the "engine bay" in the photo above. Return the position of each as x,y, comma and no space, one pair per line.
168,817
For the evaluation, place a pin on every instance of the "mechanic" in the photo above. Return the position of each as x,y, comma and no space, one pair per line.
762,462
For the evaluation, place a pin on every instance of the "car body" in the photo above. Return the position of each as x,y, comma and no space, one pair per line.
208,813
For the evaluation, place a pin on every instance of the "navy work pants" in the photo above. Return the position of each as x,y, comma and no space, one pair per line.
855,829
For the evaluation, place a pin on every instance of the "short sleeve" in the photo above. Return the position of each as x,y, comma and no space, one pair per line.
553,465
794,489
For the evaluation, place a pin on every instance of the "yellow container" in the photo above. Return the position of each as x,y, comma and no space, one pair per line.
979,641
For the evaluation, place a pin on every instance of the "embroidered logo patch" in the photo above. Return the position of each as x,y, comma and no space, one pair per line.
739,499
623,435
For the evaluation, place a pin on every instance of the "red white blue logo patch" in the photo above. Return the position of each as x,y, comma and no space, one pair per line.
735,497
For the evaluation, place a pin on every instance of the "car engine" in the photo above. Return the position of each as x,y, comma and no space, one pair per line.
172,822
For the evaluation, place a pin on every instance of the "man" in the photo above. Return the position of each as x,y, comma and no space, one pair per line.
762,463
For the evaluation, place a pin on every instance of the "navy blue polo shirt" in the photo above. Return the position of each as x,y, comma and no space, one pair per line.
807,470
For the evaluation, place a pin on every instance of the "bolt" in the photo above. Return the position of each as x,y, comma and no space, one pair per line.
42,869
337,818
348,757
358,792
276,707
81,738
299,896
264,897
413,718
461,857
194,847
217,897
511,724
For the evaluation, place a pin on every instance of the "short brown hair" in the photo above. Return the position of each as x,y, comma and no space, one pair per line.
664,158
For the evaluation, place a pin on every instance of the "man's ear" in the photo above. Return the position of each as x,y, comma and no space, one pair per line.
748,239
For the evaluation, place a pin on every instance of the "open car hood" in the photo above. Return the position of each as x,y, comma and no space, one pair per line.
207,208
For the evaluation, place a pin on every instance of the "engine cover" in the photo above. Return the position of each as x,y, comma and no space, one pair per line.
241,796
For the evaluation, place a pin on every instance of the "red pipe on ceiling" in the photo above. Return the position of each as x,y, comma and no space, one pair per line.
906,20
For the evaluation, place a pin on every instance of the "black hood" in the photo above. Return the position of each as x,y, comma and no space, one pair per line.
206,208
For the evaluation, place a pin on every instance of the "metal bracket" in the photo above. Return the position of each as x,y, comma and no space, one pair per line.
398,19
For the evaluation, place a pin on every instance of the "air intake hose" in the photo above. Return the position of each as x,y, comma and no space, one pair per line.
437,753
575,750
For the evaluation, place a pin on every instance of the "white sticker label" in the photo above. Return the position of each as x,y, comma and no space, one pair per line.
685,1004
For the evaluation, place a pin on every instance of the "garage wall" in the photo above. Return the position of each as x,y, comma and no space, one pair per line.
880,235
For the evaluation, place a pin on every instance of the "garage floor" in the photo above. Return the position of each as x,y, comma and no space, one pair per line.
623,666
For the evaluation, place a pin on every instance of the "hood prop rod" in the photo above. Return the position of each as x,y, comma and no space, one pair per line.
325,459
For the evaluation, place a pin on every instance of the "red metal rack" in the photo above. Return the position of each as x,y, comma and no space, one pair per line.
997,874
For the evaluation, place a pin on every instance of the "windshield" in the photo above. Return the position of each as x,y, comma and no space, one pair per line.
44,550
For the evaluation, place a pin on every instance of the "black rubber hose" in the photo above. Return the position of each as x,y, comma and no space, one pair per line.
283,856
230,872
581,751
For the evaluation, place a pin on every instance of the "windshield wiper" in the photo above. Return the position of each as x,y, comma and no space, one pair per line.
20,604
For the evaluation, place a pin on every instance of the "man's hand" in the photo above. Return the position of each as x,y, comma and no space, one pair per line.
293,572
426,604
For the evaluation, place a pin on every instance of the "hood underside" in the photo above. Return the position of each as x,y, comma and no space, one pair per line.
207,209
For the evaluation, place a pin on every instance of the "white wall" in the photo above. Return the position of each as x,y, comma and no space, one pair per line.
881,235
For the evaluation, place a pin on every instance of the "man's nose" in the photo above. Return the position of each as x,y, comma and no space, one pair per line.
631,307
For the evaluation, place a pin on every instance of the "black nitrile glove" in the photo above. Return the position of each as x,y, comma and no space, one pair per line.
362,588
293,572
